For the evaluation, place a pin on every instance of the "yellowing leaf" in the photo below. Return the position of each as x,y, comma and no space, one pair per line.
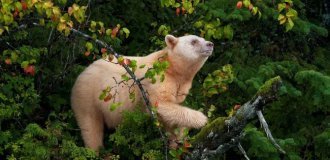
281,6
56,11
70,24
75,7
289,25
254,10
280,17
61,26
120,59
1,31
42,22
291,13
259,14
231,113
282,21
47,4
62,19
246,3
126,31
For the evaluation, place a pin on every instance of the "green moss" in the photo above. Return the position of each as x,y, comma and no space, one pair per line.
215,126
268,86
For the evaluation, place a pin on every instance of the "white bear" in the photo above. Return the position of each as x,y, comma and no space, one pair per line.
186,55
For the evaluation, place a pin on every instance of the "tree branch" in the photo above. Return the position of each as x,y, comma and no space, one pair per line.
224,133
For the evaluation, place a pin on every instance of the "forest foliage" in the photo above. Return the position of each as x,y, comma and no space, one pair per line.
255,40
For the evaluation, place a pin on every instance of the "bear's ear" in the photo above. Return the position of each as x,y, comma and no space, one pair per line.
171,41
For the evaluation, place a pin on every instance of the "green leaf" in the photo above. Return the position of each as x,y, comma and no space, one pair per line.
89,46
133,65
92,26
162,77
13,56
108,32
142,66
198,24
212,91
153,80
103,95
228,32
124,77
288,1
24,64
176,5
196,2
132,96
114,106
18,5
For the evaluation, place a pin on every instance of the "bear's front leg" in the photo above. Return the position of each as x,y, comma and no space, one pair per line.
175,115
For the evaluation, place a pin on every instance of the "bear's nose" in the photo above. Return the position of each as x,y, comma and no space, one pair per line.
209,44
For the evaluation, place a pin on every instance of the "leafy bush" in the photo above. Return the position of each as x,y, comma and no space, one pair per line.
137,136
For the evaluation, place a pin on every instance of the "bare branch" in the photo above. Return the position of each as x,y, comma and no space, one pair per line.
268,132
243,151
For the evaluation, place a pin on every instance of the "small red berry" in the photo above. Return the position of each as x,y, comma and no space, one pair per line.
103,50
30,69
8,61
177,12
87,53
239,4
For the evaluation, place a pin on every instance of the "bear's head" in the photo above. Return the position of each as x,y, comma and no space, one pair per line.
189,47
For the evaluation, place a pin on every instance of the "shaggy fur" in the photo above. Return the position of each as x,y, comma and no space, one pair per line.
186,56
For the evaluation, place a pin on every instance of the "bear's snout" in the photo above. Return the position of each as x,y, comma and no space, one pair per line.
209,44
207,49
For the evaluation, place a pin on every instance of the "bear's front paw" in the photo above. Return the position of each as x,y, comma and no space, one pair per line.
200,119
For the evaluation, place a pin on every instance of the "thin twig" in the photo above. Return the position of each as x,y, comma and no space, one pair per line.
50,35
8,44
222,148
268,132
243,151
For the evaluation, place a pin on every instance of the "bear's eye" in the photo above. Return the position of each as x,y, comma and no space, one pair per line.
194,42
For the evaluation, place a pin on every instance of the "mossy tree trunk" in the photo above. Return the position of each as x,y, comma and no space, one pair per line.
224,133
